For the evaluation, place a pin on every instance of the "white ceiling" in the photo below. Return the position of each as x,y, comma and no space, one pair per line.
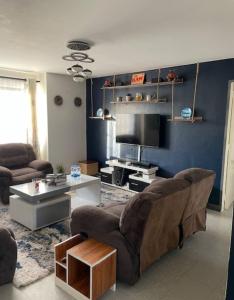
128,35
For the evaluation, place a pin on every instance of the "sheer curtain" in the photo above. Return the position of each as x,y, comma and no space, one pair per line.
14,111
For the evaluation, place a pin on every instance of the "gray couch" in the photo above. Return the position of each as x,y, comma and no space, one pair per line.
18,164
151,223
8,255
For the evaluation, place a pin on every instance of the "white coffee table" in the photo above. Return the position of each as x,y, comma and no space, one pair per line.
37,208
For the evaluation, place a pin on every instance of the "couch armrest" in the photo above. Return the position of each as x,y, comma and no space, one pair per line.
8,255
40,165
88,219
5,172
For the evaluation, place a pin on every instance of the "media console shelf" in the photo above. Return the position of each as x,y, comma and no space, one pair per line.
137,182
85,268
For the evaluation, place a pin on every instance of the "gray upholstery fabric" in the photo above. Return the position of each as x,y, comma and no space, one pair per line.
18,165
8,255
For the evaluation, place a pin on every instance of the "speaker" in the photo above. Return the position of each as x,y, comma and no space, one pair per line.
120,176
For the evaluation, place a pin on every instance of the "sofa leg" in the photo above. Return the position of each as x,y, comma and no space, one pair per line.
4,196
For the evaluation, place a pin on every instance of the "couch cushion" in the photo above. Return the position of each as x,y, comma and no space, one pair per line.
15,155
27,177
22,171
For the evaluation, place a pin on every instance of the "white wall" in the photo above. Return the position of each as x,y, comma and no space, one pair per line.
66,123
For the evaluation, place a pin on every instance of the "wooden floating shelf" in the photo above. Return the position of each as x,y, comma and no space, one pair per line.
155,101
191,120
147,84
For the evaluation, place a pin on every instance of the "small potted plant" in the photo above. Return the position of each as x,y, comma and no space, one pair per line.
60,169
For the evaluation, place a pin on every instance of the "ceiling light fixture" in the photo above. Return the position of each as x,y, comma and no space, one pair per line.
69,71
87,72
77,68
77,71
78,78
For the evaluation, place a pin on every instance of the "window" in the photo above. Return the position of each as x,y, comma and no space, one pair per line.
14,111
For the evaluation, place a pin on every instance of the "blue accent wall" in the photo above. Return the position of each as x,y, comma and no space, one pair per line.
181,145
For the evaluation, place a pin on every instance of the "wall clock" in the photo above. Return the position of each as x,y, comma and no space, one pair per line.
58,100
77,101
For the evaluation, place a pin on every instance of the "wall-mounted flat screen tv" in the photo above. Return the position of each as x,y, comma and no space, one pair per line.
138,129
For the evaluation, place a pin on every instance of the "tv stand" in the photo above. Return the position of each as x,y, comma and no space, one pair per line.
131,165
137,182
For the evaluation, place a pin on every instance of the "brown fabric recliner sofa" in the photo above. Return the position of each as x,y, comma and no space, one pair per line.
18,164
8,255
151,223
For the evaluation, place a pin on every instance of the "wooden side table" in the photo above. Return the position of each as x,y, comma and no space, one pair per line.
85,268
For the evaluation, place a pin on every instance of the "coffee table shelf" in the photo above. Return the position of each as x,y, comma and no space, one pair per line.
89,269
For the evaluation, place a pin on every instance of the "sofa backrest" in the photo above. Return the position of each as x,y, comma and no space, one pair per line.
16,155
202,182
150,221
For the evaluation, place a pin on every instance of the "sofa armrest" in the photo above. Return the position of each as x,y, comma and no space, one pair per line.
88,219
40,165
8,255
5,172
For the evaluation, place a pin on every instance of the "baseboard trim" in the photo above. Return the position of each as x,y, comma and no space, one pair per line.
214,207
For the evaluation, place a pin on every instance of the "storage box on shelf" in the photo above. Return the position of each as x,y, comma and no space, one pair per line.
85,268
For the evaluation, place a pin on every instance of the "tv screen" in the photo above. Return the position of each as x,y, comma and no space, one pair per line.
138,129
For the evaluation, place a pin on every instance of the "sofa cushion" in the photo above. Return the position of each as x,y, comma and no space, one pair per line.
22,171
15,155
27,177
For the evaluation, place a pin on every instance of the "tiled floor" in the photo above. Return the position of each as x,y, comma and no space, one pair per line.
197,272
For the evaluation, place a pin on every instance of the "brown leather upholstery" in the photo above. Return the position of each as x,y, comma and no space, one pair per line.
151,223
18,165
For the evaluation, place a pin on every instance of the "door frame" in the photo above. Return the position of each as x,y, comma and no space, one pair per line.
226,132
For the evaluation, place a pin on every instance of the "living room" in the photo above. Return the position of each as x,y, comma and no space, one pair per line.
116,150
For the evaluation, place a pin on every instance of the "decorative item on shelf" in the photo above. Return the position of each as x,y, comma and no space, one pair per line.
77,71
138,78
58,100
119,99
138,96
148,97
99,112
171,76
128,97
108,83
186,113
77,101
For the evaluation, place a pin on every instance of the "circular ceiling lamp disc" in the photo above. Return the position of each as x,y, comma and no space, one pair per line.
79,56
68,58
88,60
78,45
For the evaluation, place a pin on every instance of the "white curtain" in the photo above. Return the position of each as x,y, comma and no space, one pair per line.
32,116
14,111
